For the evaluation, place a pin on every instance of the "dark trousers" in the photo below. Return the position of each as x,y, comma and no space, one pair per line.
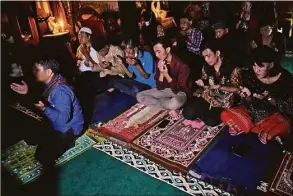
197,107
51,145
128,86
88,84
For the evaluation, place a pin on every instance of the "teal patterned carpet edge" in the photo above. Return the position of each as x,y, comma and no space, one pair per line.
189,185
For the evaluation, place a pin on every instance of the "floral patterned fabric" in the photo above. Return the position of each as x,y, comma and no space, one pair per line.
227,76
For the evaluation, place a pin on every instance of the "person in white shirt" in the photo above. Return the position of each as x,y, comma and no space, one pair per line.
88,83
85,52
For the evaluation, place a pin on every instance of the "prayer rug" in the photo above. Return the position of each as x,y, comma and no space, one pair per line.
282,183
19,159
249,171
109,105
133,122
187,184
26,111
173,144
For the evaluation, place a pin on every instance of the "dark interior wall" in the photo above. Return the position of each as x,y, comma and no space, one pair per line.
128,15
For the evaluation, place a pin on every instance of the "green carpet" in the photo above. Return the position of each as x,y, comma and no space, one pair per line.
95,173
287,63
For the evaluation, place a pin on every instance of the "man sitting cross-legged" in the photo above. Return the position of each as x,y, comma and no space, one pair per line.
172,80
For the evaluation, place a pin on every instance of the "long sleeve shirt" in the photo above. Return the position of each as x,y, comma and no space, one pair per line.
179,72
193,41
63,109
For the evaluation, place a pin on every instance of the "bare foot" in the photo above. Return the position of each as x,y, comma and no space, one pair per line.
186,122
174,113
110,90
197,124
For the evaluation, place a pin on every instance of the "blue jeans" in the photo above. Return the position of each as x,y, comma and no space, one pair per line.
128,86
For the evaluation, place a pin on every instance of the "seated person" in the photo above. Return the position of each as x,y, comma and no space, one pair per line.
234,47
193,36
193,40
110,60
267,93
171,79
59,106
85,51
269,36
141,65
216,86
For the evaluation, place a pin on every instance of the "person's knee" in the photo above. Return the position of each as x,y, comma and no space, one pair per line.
175,104
140,97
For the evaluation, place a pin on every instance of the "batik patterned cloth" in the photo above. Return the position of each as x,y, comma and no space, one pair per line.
175,145
187,184
282,183
133,122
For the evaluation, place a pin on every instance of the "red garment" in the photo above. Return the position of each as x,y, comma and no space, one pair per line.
179,73
273,125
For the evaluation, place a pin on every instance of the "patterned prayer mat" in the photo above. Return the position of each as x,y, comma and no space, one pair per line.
247,172
19,159
26,111
173,144
282,183
187,184
133,122
109,105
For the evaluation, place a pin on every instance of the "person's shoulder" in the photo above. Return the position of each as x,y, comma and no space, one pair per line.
115,48
195,30
178,61
62,89
286,74
145,54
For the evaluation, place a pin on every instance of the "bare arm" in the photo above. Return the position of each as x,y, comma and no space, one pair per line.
230,89
141,71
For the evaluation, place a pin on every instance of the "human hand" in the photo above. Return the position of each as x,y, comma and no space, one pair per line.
199,83
253,44
88,63
197,93
21,89
118,59
183,33
264,95
69,47
213,85
105,64
273,46
131,61
40,106
162,67
245,92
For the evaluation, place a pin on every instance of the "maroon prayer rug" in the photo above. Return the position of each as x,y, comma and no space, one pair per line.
173,144
282,183
133,122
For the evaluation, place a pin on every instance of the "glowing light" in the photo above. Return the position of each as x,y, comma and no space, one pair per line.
61,25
